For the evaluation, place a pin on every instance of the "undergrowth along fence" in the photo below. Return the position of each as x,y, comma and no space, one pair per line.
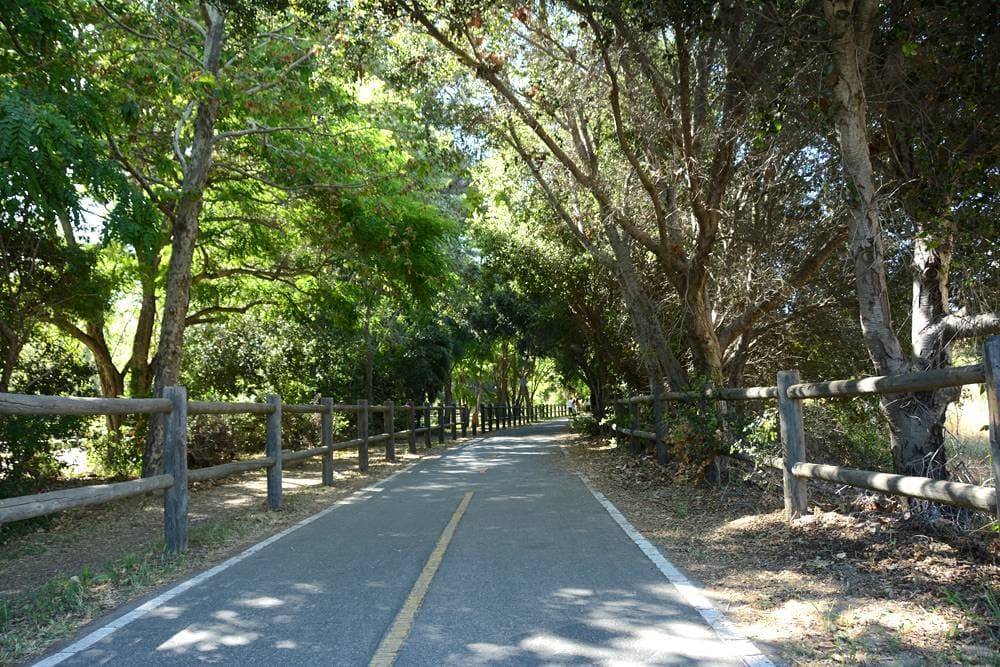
790,392
176,478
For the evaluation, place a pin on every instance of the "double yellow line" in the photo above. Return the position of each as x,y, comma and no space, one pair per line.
392,642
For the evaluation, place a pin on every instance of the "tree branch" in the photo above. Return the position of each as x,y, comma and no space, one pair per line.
960,325
808,268
202,316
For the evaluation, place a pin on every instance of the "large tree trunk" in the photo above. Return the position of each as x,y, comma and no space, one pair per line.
596,387
704,339
112,382
10,356
184,235
139,367
916,421
659,360
369,358
111,379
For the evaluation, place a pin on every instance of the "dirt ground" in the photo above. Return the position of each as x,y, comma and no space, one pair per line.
83,563
858,582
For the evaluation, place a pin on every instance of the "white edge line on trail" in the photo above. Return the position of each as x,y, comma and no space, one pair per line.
727,631
111,626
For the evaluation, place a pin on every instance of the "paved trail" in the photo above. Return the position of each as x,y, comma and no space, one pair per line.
493,553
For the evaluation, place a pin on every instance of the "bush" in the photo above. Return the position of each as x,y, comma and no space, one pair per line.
850,433
585,423
693,438
847,432
757,436
215,439
28,444
117,454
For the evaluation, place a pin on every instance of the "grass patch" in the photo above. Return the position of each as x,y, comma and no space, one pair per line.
30,622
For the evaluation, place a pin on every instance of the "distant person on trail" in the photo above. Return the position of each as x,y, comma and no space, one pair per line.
569,406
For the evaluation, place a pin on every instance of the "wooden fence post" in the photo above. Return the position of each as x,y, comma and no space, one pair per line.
390,427
633,442
411,439
991,363
363,435
427,425
465,420
273,430
491,417
793,445
175,498
326,439
454,422
660,426
441,418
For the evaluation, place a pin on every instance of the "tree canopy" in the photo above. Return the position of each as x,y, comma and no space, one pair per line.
496,201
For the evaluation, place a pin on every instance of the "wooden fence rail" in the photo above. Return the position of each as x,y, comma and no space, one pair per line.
790,392
177,478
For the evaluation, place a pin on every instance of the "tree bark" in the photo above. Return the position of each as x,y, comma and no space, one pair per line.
659,360
139,367
369,358
916,421
704,340
169,353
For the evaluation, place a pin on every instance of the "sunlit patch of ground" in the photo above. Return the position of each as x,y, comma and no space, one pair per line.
862,585
82,563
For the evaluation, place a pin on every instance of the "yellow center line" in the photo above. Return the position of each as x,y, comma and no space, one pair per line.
392,642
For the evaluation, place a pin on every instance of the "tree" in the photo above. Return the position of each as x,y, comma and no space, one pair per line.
634,124
935,205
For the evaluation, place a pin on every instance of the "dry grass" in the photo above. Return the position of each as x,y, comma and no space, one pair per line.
864,585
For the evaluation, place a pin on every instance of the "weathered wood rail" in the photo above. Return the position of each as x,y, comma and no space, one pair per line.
789,391
175,481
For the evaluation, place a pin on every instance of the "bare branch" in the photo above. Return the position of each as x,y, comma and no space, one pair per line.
178,128
203,316
232,134
807,269
291,67
961,325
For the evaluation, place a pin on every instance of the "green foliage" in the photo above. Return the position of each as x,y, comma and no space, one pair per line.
693,434
847,432
756,434
28,443
586,424
117,453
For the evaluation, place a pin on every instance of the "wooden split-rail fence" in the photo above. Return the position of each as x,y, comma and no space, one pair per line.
175,480
790,392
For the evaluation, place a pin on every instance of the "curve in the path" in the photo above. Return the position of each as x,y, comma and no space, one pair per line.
533,571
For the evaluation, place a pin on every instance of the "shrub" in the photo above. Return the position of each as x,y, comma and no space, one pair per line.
28,443
585,423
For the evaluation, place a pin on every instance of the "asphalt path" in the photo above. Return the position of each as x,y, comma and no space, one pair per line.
533,571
